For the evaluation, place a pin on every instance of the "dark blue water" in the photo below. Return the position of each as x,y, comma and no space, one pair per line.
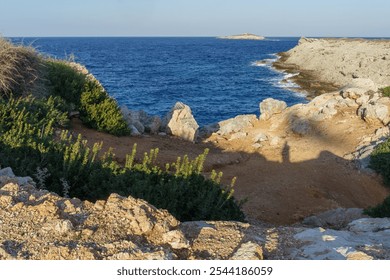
216,78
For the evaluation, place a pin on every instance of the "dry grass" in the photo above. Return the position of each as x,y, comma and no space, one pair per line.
19,68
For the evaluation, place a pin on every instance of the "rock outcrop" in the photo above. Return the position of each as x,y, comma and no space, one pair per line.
140,122
37,224
363,239
338,61
181,123
367,145
230,126
270,107
360,97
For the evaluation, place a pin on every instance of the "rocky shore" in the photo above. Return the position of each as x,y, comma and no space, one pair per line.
328,64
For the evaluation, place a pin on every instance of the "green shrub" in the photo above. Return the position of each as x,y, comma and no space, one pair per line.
68,166
99,111
385,91
65,82
380,211
380,162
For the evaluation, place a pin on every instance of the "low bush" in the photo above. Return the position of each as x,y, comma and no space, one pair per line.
70,167
380,162
64,81
97,109
385,91
380,211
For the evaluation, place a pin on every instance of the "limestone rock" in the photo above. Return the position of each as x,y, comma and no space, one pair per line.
378,111
370,225
366,239
219,240
336,219
353,93
362,83
53,227
248,251
236,124
270,107
7,172
367,145
260,137
142,121
176,239
181,123
300,126
238,135
257,146
134,131
275,141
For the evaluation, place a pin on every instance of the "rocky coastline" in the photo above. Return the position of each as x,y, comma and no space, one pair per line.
293,213
325,65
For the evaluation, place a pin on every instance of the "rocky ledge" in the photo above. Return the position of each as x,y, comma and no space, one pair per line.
245,36
37,224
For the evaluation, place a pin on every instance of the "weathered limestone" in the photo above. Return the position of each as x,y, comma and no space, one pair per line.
336,219
140,122
270,107
365,238
53,227
236,124
181,123
374,111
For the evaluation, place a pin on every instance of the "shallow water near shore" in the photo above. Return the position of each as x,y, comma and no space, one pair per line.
218,79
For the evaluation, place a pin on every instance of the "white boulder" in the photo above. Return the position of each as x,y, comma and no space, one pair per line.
181,123
270,107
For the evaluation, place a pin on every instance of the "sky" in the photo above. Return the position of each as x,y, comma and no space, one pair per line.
325,18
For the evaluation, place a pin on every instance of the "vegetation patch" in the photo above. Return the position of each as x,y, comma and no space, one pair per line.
385,91
19,68
97,109
34,143
380,162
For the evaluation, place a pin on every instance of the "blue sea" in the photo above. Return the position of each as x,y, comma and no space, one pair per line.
218,79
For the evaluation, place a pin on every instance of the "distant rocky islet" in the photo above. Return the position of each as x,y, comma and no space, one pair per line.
244,36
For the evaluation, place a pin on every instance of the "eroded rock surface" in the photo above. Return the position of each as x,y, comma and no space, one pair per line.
181,123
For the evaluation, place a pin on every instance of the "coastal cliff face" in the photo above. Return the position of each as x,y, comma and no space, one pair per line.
338,61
